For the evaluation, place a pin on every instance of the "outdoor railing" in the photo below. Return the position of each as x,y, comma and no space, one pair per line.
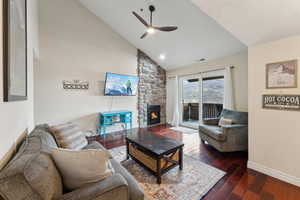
212,110
191,111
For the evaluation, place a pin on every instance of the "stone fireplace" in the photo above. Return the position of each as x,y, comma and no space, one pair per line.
152,91
153,115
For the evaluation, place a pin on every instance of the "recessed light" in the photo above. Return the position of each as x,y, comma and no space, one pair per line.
162,56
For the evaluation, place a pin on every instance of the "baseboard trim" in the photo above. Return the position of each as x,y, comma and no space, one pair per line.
274,173
7,156
20,139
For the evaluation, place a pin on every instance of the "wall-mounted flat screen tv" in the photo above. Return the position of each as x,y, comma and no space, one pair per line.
120,85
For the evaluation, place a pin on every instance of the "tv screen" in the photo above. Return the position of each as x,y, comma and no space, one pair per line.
120,85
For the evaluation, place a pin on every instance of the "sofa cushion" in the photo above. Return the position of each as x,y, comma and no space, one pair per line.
79,168
47,141
94,145
112,188
211,121
69,136
97,145
30,174
135,191
236,116
43,177
215,132
223,121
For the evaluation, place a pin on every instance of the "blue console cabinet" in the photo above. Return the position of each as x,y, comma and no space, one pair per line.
113,117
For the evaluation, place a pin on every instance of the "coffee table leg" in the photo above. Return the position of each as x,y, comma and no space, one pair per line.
181,158
158,171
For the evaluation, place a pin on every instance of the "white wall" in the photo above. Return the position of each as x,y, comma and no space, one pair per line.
75,44
240,75
274,136
16,117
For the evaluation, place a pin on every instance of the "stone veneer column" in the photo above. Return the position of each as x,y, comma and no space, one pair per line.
152,88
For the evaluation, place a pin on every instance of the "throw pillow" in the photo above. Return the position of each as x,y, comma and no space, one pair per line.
223,121
69,136
79,168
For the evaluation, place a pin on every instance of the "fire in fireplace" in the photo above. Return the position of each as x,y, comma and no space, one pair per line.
153,114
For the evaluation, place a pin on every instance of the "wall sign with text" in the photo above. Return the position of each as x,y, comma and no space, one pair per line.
282,102
76,85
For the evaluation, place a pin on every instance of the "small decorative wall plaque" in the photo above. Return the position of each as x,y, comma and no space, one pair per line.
76,85
281,75
282,102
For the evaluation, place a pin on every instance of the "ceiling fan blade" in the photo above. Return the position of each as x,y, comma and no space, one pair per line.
140,18
144,35
167,28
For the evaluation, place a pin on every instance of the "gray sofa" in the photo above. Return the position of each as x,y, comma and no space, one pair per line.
32,175
227,138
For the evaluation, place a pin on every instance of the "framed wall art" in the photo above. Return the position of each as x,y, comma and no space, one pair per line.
15,50
281,75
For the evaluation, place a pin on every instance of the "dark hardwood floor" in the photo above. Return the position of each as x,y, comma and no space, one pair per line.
239,183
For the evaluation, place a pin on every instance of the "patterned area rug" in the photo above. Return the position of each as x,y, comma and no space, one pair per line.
192,183
184,130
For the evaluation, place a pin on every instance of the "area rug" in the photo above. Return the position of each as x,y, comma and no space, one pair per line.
192,183
184,130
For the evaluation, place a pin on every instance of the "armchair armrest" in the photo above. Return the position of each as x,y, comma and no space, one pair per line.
211,121
235,130
114,187
237,136
234,126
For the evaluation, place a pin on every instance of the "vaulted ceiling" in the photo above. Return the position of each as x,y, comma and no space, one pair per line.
208,29
252,21
198,36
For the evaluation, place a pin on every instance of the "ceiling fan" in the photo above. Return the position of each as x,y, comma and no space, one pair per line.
150,28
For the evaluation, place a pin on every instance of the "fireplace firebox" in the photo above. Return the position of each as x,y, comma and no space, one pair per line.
153,114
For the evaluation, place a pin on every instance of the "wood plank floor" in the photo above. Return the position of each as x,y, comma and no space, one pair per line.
239,183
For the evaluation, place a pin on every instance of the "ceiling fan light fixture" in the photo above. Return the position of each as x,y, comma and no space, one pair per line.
162,56
150,30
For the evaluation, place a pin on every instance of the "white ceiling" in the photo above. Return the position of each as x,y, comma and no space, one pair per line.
198,36
255,21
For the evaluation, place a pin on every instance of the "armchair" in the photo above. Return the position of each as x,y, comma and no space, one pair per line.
226,138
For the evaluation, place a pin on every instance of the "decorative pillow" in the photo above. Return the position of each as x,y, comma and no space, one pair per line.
223,121
69,136
79,168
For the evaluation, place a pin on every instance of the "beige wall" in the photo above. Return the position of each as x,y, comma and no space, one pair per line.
16,117
274,136
240,75
75,44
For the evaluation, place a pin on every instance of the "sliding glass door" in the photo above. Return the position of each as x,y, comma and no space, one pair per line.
201,96
190,100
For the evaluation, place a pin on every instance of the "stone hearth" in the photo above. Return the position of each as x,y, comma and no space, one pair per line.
152,88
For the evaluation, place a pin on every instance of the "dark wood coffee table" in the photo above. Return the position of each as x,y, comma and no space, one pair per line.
155,153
